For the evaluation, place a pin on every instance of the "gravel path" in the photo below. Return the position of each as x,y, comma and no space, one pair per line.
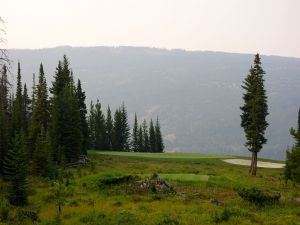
245,162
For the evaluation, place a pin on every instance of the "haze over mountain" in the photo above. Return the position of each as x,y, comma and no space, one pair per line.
196,94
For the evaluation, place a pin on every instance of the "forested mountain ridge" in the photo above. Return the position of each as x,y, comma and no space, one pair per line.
196,94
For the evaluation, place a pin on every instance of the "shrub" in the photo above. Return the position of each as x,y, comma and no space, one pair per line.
258,197
220,216
115,180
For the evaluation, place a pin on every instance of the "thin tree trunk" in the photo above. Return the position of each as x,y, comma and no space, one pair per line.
253,164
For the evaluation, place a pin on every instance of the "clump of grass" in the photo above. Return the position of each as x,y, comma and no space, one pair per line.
221,215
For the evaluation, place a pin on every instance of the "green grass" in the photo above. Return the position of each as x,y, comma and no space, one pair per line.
197,178
168,155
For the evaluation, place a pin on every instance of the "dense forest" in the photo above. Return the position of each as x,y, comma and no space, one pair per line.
41,130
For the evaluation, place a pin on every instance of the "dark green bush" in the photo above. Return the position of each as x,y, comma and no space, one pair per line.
258,197
221,215
115,180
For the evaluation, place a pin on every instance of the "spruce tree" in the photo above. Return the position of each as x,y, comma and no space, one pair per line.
15,171
65,122
109,129
91,125
42,159
125,132
141,139
146,144
5,116
152,137
296,132
18,113
117,130
26,108
254,111
159,139
99,126
135,134
41,111
292,165
83,112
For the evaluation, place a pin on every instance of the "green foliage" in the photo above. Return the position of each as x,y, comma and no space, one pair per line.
15,171
292,165
158,138
135,135
109,124
97,129
258,197
40,114
83,120
254,111
152,137
5,118
4,209
65,123
219,216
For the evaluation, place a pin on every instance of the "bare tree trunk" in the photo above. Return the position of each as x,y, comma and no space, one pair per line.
253,166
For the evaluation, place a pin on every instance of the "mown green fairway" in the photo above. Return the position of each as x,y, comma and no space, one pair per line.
196,180
168,155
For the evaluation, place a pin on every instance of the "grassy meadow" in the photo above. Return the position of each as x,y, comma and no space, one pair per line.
196,179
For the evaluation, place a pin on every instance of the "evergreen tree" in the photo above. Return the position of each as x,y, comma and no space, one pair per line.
27,108
5,116
135,134
141,139
296,132
15,171
100,131
42,155
292,165
117,130
159,139
254,111
33,93
18,106
146,144
152,137
83,111
65,122
125,132
109,129
91,125
41,112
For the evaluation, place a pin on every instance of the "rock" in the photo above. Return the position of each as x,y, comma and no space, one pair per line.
215,201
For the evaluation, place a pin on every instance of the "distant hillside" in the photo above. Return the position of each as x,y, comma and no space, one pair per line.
197,95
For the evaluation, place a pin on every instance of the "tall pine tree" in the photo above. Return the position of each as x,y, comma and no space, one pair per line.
254,111
159,140
83,112
15,171
109,129
146,144
135,134
152,137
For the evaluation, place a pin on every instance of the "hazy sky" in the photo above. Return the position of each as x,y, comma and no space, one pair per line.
270,27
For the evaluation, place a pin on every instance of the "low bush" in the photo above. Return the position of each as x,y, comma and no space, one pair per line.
258,197
221,215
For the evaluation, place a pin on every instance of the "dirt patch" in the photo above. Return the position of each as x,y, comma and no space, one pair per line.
245,162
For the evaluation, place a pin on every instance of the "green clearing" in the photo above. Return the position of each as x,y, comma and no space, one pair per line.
196,179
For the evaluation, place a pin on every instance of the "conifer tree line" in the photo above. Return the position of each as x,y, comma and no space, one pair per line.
49,127
41,131
112,132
